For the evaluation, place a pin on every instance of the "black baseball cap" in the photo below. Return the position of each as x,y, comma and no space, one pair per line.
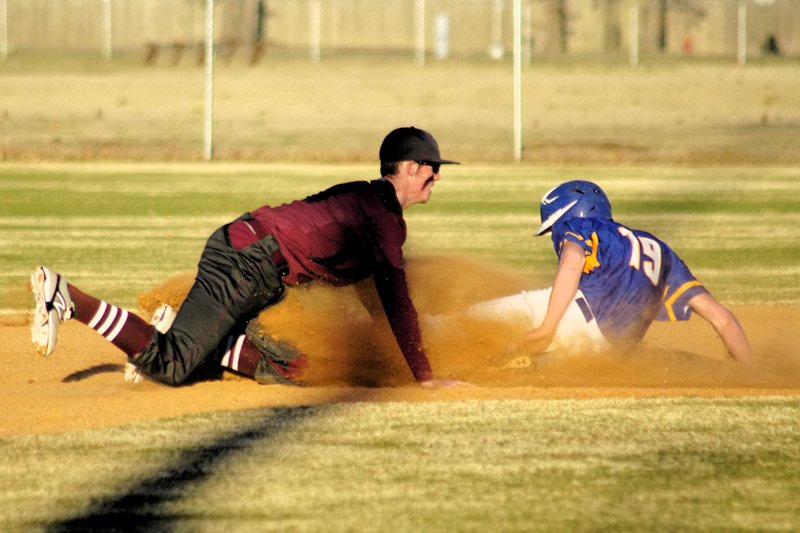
412,144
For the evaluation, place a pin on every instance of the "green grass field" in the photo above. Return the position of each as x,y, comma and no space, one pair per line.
554,465
120,229
634,464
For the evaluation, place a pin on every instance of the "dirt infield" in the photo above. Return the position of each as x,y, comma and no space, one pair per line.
351,359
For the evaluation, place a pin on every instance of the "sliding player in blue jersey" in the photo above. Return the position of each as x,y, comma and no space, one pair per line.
612,281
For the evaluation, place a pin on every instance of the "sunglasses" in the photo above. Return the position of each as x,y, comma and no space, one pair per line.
434,166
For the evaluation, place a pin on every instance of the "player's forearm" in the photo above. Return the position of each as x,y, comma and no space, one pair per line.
392,290
565,286
559,301
568,277
734,339
726,325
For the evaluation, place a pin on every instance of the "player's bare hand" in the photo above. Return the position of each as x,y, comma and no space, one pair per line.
443,384
538,340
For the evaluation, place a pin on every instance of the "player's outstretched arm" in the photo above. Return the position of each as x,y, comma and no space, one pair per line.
365,290
565,286
726,326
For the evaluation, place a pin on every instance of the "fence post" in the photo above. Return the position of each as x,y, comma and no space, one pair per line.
106,29
315,30
496,50
517,51
419,31
633,32
741,33
3,29
442,29
208,133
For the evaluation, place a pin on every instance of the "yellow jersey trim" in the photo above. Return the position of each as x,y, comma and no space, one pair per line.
669,302
591,257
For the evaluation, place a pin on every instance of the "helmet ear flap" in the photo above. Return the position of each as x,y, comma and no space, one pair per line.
578,198
551,215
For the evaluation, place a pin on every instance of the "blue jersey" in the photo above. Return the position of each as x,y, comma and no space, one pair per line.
630,277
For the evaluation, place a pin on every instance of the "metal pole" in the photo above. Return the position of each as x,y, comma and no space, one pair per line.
633,33
315,30
496,50
517,16
208,142
741,33
3,29
106,29
419,31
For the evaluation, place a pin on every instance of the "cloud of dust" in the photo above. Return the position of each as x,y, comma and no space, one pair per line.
345,346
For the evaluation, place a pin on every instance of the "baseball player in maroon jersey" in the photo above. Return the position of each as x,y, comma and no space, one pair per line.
339,236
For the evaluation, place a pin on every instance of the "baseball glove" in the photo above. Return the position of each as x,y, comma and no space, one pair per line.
280,361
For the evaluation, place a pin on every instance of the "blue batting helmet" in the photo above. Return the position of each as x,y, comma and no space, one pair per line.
581,199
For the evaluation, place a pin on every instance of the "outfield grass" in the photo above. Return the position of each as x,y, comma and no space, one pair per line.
118,230
631,465
680,464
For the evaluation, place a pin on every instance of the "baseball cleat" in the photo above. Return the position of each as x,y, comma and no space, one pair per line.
511,359
53,306
162,319
520,362
132,374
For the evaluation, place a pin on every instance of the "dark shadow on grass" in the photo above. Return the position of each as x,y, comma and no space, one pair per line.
141,507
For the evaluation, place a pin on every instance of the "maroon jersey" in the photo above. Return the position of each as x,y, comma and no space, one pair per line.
345,234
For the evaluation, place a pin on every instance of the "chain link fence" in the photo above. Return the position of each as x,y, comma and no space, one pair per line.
603,81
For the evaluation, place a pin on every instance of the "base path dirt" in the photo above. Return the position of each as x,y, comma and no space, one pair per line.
353,359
